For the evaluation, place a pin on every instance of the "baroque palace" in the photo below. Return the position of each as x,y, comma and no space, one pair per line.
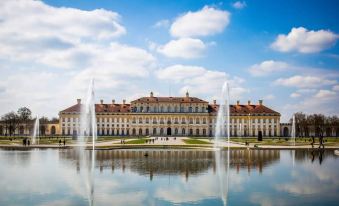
171,116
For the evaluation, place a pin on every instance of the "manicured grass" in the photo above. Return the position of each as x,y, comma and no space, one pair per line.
137,141
195,141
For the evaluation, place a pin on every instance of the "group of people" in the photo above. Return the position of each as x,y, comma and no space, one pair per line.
60,142
26,142
151,141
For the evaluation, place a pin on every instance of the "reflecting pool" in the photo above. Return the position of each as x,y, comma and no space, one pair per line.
170,177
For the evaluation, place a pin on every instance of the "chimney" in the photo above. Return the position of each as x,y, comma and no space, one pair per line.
249,102
187,94
260,101
238,102
79,101
101,101
124,101
113,101
214,102
151,94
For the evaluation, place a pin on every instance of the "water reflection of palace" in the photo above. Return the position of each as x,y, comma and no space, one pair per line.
176,162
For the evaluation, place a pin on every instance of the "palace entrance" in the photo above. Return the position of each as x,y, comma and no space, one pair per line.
169,131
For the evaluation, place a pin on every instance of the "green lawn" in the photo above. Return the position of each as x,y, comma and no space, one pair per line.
137,141
195,141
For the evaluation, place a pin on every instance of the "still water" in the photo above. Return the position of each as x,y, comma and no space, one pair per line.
170,177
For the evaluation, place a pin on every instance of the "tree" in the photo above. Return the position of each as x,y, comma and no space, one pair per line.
11,121
25,115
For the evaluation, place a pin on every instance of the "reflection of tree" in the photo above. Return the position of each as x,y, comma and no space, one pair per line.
306,155
173,162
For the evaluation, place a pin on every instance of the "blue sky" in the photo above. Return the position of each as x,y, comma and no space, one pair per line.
284,52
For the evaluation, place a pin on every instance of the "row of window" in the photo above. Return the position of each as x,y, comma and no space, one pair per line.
170,109
176,120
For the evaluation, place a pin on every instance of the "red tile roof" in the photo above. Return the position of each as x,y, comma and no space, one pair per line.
100,108
169,99
244,109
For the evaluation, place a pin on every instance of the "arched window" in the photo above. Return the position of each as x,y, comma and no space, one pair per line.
141,109
176,131
190,109
161,109
140,120
197,121
147,120
154,131
196,109
204,132
161,120
161,131
118,132
140,131
183,121
169,109
191,121
202,109
168,121
197,132
147,109
204,120
183,131
175,109
147,131
133,131
154,120
191,131
176,121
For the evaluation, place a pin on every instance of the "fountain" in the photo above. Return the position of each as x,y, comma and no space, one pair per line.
223,117
88,131
35,138
293,138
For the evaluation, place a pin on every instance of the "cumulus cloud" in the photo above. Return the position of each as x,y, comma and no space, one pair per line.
239,4
304,81
268,67
269,97
325,94
162,23
207,21
186,48
201,81
33,30
295,95
37,41
305,41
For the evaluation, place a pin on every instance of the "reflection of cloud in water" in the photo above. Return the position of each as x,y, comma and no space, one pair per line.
265,200
197,189
312,179
126,198
50,177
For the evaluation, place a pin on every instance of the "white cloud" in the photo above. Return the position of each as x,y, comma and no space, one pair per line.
295,95
269,97
33,30
201,81
162,23
239,4
304,81
336,88
267,67
305,41
325,94
36,38
207,21
186,48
